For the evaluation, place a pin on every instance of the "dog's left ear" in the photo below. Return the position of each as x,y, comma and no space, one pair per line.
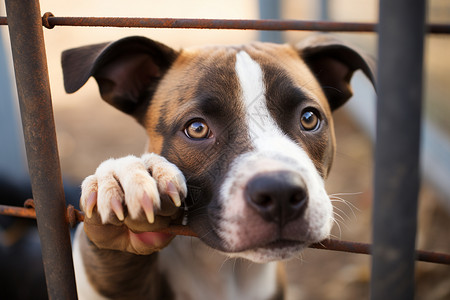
127,71
333,63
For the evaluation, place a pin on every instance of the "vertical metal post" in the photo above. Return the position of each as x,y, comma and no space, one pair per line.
270,9
30,66
324,10
401,35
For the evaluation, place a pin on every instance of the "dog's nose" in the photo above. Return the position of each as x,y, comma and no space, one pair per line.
277,196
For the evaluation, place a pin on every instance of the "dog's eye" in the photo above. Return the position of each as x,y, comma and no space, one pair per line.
309,120
197,130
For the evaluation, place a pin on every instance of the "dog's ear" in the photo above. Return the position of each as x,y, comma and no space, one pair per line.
127,71
333,64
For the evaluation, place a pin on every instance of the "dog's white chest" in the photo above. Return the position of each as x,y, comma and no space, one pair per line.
201,273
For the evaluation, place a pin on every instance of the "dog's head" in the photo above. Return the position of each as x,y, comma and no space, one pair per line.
249,126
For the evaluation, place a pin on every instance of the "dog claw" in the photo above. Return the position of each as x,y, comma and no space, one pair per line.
147,206
91,201
116,206
173,194
181,182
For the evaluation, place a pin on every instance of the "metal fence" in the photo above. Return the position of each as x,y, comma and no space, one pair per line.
401,33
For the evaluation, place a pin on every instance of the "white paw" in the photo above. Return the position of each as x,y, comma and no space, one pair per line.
134,183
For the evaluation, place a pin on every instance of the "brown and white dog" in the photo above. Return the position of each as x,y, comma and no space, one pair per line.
240,141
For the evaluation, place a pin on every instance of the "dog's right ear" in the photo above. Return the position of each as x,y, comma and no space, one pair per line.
127,71
333,63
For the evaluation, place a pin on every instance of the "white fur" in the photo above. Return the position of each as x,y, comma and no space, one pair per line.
273,151
135,181
164,172
190,262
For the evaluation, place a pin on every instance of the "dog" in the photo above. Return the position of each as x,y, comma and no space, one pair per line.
240,140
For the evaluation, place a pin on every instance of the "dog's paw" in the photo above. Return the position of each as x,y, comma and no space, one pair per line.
134,195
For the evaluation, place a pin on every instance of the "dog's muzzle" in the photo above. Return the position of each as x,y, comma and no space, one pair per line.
278,197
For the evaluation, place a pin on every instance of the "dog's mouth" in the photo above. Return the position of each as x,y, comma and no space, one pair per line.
282,244
278,245
277,250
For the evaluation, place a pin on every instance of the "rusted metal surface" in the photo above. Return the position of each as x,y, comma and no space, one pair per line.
343,246
50,21
363,248
45,21
179,230
438,28
30,66
211,24
429,256
75,217
17,211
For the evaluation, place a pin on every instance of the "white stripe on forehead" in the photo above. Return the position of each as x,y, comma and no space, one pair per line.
265,134
250,77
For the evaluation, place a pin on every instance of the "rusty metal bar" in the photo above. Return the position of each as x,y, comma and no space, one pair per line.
17,211
211,24
50,21
397,178
30,66
430,256
363,248
76,216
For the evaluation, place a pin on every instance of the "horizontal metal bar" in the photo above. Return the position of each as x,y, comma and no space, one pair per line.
213,24
17,211
285,25
76,216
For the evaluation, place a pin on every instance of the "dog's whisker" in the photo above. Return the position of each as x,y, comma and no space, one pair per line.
346,194
335,236
235,262
299,257
343,212
339,226
341,220
191,211
249,265
206,234
226,259
339,216
350,205
339,199
351,209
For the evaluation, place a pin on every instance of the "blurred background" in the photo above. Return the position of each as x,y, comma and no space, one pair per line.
90,131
